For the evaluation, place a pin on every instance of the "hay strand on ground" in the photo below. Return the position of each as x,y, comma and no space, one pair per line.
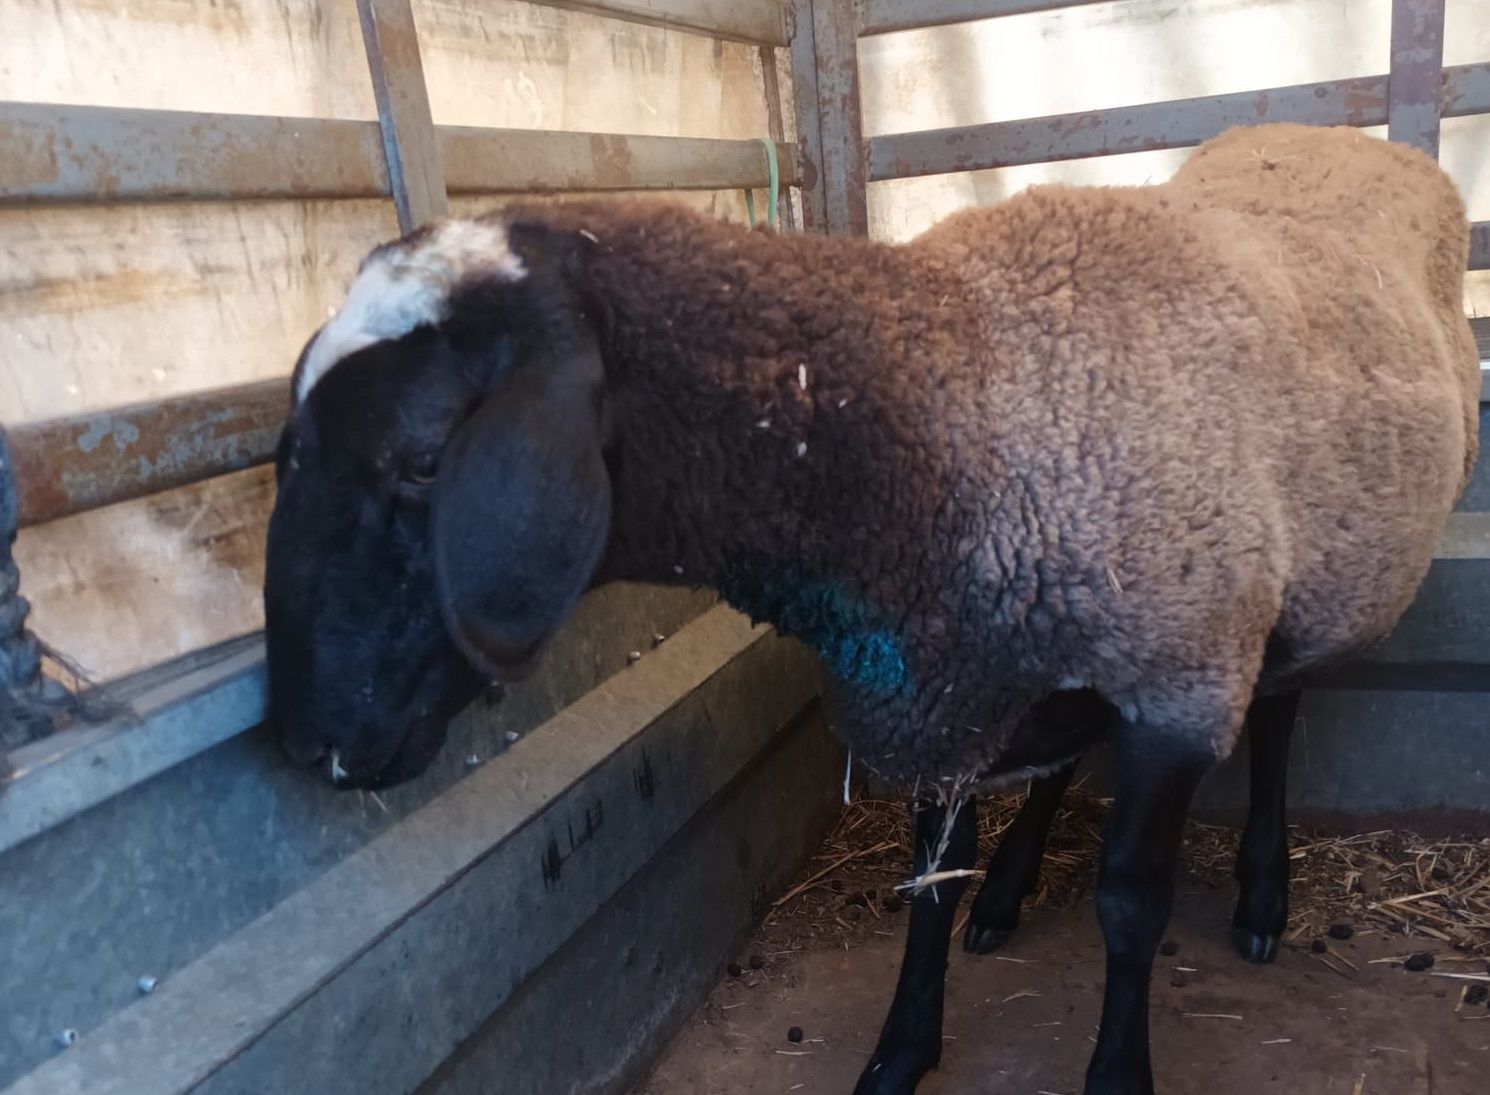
1432,894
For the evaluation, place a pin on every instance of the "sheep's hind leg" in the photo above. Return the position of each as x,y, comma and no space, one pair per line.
1262,860
910,1044
1014,868
1156,779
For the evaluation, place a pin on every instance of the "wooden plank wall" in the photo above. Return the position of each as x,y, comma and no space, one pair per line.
1138,51
112,305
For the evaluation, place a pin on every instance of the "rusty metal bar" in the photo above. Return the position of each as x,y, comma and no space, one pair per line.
411,147
809,120
79,154
1466,91
58,153
1479,245
888,16
68,465
1414,87
776,125
754,22
1178,124
845,184
528,161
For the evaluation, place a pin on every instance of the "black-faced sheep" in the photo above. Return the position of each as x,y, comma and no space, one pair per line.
1087,464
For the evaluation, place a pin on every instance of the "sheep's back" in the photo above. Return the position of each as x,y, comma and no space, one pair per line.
1381,198
1259,379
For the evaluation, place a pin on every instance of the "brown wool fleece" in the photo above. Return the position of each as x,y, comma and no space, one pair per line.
1125,439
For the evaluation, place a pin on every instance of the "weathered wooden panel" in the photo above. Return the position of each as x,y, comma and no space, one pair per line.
277,57
749,21
536,162
887,16
524,67
122,588
102,307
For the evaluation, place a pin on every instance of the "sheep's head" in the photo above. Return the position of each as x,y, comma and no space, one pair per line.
443,493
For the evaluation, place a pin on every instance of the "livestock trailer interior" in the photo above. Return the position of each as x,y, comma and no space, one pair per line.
652,867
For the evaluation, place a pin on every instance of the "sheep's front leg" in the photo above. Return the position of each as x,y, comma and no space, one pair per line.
1262,860
911,1042
1135,891
1014,868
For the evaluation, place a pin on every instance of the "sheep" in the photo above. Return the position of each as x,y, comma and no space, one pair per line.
1118,465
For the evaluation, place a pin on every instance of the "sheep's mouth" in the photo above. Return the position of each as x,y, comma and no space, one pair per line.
414,754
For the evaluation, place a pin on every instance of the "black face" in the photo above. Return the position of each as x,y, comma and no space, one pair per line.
363,677
443,501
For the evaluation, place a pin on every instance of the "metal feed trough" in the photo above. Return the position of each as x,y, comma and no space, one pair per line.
290,940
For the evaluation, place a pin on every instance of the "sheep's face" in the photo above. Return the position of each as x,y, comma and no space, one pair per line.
443,502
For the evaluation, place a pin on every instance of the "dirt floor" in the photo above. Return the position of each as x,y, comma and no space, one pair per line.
1333,1016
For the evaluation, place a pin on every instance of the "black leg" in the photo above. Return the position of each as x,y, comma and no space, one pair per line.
1014,868
1135,891
911,1042
1262,860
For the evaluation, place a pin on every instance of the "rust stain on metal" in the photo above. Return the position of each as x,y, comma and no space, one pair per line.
28,161
69,465
69,153
1362,107
612,163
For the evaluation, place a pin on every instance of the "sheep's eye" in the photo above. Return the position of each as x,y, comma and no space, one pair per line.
420,469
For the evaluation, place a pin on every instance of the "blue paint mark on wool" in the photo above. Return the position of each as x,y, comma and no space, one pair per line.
856,647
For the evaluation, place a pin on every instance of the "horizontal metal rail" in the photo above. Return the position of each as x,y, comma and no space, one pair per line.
68,465
62,153
1180,123
90,154
757,22
888,16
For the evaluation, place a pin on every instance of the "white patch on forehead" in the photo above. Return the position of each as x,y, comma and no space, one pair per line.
407,286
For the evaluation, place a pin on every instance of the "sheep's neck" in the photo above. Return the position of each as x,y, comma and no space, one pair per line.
748,390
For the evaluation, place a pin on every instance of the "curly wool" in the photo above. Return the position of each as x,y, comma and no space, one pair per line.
1178,444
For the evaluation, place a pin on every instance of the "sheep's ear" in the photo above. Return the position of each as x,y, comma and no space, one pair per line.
521,512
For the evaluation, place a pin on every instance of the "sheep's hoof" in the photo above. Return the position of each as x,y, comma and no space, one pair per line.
986,934
895,1071
1258,947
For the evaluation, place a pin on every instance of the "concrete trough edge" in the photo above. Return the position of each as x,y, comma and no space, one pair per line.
644,962
490,855
173,720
